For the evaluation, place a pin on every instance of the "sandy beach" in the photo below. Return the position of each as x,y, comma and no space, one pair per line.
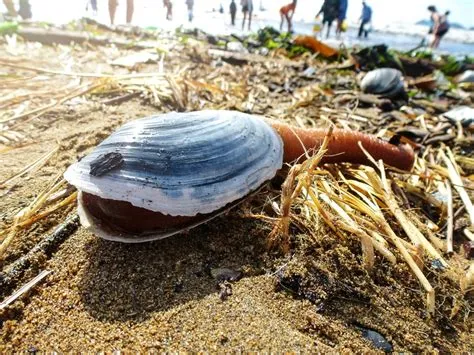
174,294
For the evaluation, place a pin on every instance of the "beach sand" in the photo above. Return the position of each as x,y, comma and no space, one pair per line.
161,296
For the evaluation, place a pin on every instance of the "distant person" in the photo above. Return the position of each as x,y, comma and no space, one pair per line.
190,4
365,19
169,9
247,9
440,25
93,4
329,10
287,12
113,9
24,9
341,16
233,11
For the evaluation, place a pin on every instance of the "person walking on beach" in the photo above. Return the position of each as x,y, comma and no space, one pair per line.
93,4
247,9
365,19
329,10
113,9
440,26
287,12
341,16
233,11
24,9
190,4
10,8
169,9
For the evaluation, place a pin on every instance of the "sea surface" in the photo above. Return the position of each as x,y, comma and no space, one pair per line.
150,13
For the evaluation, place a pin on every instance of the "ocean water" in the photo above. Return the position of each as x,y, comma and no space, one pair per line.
150,13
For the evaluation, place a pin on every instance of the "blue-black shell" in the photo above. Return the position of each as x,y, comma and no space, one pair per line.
182,164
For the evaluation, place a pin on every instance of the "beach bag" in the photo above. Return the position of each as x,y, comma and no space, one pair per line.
318,25
368,27
344,26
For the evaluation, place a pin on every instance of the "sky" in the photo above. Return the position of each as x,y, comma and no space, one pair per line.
385,12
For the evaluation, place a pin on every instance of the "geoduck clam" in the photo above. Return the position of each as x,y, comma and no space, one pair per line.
157,176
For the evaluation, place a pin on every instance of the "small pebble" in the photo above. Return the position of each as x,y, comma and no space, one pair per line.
226,291
178,286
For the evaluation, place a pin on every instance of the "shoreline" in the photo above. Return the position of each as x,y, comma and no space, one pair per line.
149,13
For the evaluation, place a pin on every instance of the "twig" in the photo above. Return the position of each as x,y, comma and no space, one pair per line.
120,99
23,289
47,246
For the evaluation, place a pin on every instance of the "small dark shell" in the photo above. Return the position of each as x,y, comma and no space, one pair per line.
384,81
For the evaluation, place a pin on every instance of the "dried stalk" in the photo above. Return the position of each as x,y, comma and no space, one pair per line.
450,229
36,164
304,174
467,282
84,89
352,227
412,232
5,62
25,288
25,214
469,235
458,185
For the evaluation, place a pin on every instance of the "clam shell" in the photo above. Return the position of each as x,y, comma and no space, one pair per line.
182,164
384,81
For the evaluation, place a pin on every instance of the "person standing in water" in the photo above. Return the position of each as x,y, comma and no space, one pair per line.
341,16
365,19
287,12
329,10
233,11
190,4
113,8
440,26
247,9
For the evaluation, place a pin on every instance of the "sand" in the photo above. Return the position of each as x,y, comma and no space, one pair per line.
161,296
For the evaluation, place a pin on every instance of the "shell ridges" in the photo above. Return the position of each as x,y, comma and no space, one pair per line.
182,164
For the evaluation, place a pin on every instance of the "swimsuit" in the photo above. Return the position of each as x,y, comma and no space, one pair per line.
287,8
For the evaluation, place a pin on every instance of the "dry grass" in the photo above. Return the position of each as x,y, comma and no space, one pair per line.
361,202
